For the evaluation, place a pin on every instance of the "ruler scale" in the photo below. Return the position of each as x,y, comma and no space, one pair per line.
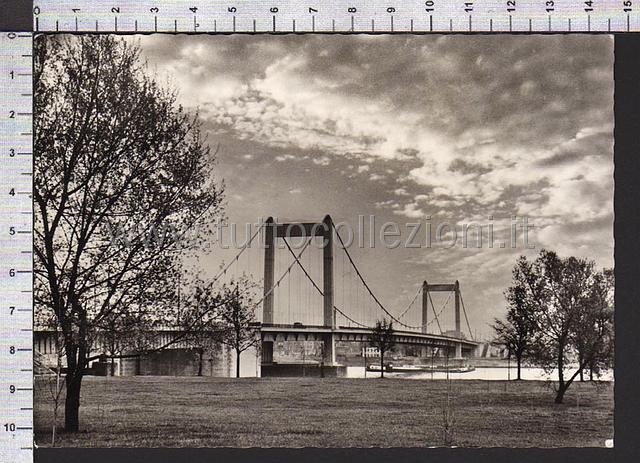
342,16
16,232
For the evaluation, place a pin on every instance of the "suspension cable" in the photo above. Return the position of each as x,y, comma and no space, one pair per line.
284,274
317,287
465,316
411,303
344,248
235,259
441,309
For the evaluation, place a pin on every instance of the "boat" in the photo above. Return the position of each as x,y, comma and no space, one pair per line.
390,368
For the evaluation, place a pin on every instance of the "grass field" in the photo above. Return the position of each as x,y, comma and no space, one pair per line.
312,412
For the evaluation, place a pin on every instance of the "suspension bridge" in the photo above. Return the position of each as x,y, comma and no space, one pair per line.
324,296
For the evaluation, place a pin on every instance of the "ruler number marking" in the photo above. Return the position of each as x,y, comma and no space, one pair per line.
18,117
193,16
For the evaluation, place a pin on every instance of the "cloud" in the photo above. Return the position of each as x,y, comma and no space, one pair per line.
472,127
322,161
411,210
477,132
284,157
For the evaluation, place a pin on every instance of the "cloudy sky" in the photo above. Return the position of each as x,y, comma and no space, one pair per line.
455,128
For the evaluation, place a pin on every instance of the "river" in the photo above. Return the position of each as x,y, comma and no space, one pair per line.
484,373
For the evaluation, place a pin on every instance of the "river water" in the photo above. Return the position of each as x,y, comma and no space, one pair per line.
485,373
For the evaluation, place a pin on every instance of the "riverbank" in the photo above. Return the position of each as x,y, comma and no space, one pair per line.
331,412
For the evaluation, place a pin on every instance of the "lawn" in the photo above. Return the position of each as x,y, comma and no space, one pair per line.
152,411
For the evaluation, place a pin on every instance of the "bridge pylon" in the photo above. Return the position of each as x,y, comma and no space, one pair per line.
447,287
273,231
425,305
457,315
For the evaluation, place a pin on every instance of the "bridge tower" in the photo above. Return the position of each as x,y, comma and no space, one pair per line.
457,315
273,231
455,288
425,305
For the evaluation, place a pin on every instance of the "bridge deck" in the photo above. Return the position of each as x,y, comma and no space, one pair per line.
270,332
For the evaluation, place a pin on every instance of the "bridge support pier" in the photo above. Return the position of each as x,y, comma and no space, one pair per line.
329,349
267,352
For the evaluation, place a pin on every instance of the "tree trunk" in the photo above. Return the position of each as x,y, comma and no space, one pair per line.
112,367
200,356
560,394
56,399
581,369
53,428
591,373
519,362
561,386
381,364
72,401
237,364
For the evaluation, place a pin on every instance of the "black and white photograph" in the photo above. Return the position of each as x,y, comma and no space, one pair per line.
326,241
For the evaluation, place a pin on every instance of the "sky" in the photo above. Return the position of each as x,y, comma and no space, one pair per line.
411,129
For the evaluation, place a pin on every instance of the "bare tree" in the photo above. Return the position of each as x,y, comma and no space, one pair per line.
134,335
116,160
200,319
382,337
237,315
571,309
113,338
517,333
593,334
57,383
448,409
